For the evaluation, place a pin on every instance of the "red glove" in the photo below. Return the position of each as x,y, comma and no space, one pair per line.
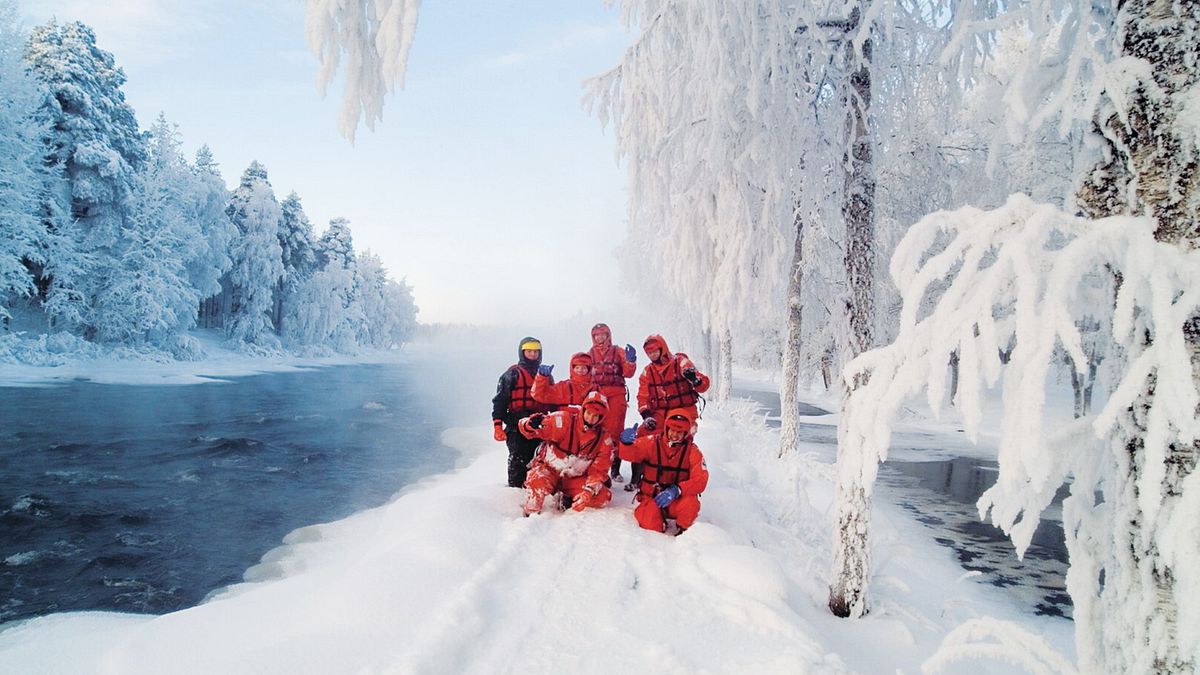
498,431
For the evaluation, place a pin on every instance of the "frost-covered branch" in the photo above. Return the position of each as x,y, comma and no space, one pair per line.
374,37
974,281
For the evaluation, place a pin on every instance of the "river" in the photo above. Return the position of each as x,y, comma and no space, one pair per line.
147,498
941,493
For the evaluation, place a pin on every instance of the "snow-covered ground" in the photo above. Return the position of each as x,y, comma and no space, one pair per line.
448,577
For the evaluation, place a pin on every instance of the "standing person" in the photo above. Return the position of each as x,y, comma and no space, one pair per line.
668,381
674,473
574,457
570,391
514,400
611,365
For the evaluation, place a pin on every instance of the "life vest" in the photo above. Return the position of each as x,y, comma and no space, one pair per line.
521,399
668,388
575,456
607,367
660,473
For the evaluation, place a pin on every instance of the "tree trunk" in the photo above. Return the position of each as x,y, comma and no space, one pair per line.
851,541
709,363
851,565
725,378
1150,168
858,210
953,376
789,434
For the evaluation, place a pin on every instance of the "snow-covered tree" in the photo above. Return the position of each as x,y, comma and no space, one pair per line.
147,296
374,37
204,205
93,137
299,257
387,306
327,312
257,257
22,176
974,282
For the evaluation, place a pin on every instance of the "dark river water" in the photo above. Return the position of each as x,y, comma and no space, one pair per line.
147,498
941,494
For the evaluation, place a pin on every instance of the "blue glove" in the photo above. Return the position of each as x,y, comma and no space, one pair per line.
630,354
664,498
628,435
545,370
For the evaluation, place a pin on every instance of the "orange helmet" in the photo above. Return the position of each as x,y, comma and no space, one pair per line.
596,401
681,419
581,359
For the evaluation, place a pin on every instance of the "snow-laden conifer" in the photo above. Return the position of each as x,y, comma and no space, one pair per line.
147,297
93,136
22,176
257,257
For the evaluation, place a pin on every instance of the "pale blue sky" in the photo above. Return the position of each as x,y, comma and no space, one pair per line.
487,184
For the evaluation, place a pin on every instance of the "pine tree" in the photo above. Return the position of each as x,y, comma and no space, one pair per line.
299,258
257,258
388,309
147,297
22,176
93,137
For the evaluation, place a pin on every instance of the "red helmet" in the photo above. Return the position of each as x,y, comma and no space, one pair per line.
581,359
596,401
681,419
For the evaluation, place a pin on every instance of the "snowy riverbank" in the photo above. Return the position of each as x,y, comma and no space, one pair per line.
448,578
56,359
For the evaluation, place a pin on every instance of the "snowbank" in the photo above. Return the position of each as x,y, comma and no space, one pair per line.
448,577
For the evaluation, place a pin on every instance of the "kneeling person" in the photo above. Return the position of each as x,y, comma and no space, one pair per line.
674,472
574,457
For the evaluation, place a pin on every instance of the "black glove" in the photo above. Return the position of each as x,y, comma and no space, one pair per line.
690,375
535,420
648,421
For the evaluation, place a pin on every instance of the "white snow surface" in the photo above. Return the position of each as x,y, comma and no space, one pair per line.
448,577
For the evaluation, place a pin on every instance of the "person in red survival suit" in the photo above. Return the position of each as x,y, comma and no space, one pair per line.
673,475
573,458
514,400
610,367
668,381
570,391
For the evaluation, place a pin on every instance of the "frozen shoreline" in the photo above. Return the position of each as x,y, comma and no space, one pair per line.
219,362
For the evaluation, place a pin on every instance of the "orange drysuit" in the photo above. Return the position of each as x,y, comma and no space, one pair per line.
662,385
609,371
665,464
574,456
567,392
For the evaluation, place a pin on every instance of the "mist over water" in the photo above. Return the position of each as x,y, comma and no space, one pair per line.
147,498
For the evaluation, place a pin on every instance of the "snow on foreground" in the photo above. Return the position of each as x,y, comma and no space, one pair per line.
448,578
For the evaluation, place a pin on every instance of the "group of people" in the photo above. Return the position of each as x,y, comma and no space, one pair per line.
568,437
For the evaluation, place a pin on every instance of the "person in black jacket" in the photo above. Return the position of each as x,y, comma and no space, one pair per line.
514,400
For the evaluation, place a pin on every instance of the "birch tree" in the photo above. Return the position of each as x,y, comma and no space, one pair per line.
1015,274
